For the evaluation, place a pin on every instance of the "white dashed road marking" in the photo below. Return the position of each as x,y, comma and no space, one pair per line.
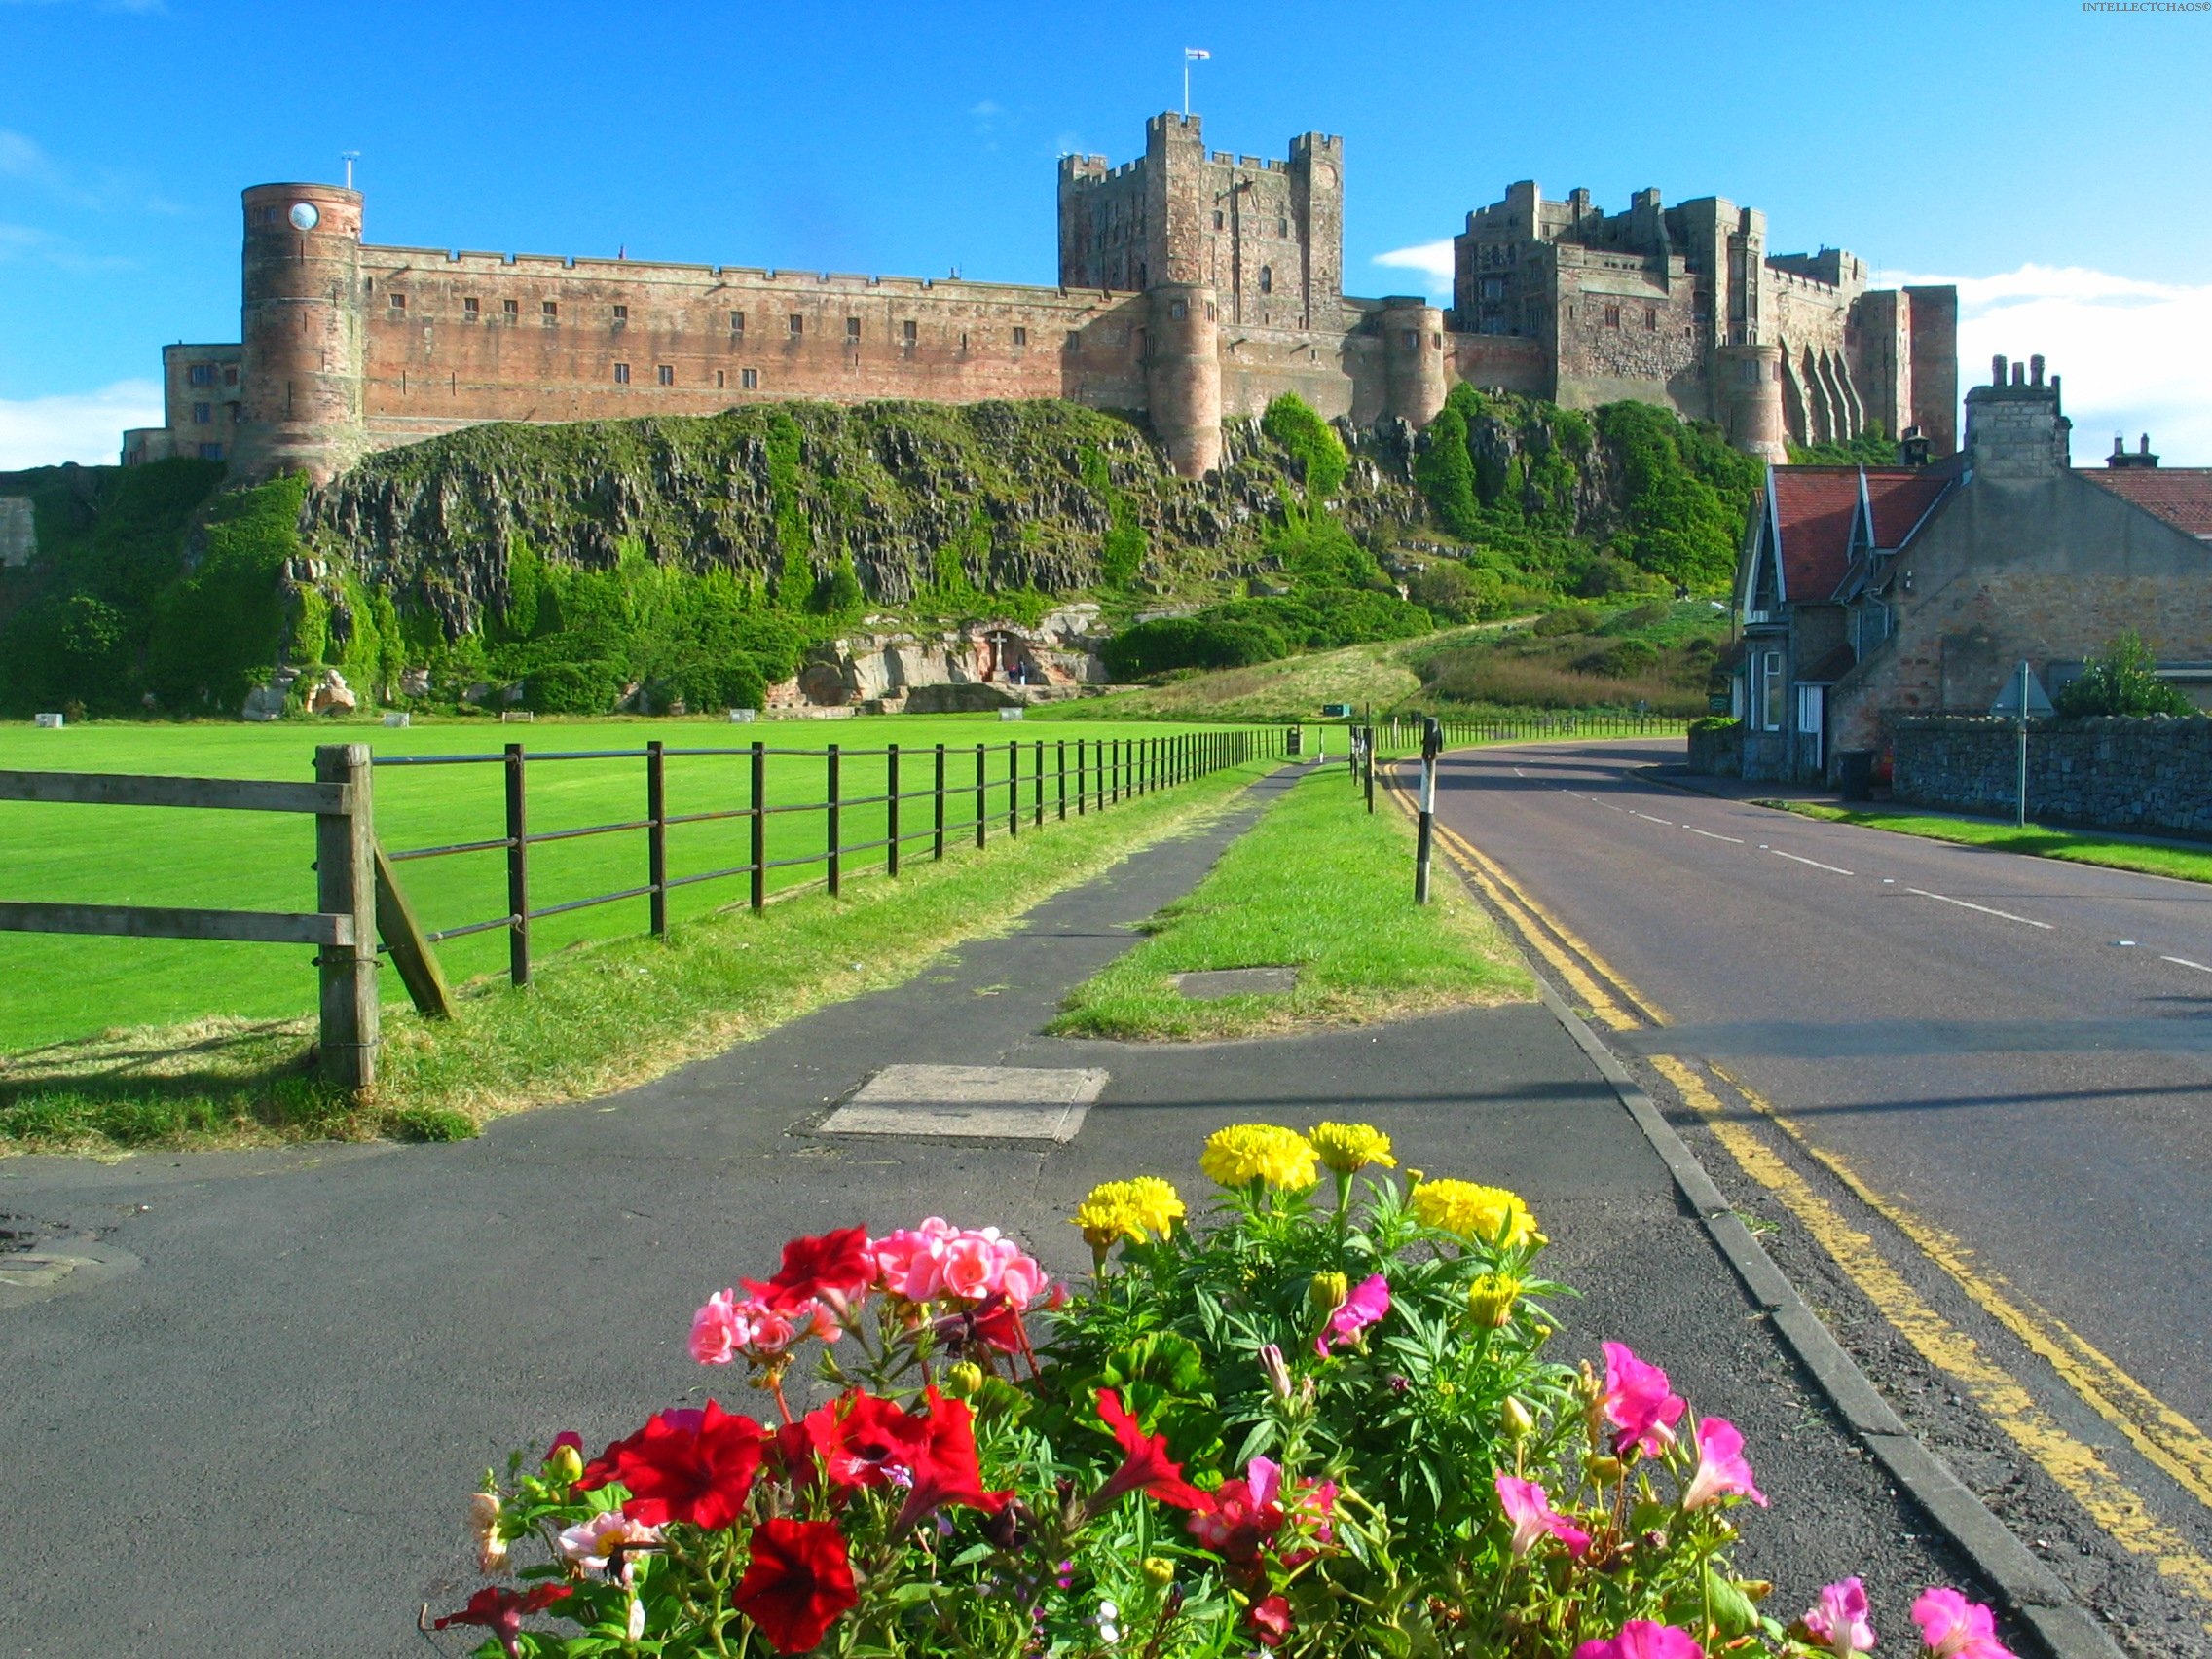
1649,819
1832,869
2185,962
1713,835
1967,904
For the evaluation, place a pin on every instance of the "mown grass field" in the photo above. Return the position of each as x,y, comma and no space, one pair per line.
1322,885
54,987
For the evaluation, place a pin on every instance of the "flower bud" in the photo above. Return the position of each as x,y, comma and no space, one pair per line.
1278,1373
965,1381
1491,1299
566,1465
1513,1416
1603,1470
1327,1293
1159,1572
484,1530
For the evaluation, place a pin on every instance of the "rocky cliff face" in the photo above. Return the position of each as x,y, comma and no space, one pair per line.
1009,494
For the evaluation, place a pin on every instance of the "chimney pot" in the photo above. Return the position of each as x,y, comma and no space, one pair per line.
2120,443
1997,369
2019,374
2146,449
2035,368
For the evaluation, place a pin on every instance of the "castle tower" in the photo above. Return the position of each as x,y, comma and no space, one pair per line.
1182,375
303,360
1746,393
1412,358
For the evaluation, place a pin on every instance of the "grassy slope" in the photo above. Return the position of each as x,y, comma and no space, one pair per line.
1322,885
2184,864
60,988
596,1018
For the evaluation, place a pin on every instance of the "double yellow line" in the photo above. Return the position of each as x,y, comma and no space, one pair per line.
2162,1435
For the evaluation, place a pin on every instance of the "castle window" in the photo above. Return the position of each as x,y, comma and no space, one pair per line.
1212,311
399,301
511,310
1178,309
909,332
1612,316
1282,227
468,311
1021,337
550,312
231,376
721,380
201,414
749,378
1410,339
851,331
210,451
737,325
621,374
798,324
1651,318
1267,278
1217,221
200,374
622,316
667,374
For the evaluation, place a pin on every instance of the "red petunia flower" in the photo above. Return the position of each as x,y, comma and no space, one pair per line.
871,1437
798,1450
683,1465
1145,1465
797,1584
835,1267
948,1473
1270,1620
501,1611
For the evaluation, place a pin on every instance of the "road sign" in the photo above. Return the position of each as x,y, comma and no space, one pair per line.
2023,682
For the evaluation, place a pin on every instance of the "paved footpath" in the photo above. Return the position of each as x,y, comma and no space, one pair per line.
259,1441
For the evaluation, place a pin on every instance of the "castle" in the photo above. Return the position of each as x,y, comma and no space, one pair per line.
1193,284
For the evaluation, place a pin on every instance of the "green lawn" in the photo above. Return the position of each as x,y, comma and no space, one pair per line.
60,988
2185,864
1320,885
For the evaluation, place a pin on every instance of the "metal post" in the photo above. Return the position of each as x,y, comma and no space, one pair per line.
1081,778
759,770
936,842
1014,786
346,885
2020,797
833,838
1063,770
891,808
657,840
518,870
1370,769
982,798
1431,744
1039,791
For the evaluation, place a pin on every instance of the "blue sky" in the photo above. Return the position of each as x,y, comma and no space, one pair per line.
2050,158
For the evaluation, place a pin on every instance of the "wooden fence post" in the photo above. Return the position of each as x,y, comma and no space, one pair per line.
656,840
759,769
832,826
518,869
346,885
891,808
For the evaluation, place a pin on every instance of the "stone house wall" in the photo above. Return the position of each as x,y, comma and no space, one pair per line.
2151,775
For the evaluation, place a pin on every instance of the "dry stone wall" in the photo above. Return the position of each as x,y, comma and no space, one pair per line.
2152,775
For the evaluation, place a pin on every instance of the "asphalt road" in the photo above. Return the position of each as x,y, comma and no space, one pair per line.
2014,1052
259,1442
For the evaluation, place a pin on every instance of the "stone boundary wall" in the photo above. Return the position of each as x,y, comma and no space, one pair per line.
1716,752
2153,774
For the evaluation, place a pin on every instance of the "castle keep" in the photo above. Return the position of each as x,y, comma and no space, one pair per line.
1193,284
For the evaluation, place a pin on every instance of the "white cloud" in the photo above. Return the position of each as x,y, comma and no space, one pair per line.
986,109
1433,260
2136,355
86,428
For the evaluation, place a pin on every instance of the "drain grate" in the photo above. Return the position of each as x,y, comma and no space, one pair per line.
1215,984
971,1103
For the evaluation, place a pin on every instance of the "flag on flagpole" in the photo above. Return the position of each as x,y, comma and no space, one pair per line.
1197,54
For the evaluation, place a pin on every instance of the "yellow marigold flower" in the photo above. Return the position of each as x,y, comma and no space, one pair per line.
1327,1293
1244,1153
1348,1147
1156,1203
1127,1209
1491,1299
1491,1214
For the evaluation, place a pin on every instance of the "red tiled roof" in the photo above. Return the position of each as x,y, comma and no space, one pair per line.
1813,508
2182,496
1900,501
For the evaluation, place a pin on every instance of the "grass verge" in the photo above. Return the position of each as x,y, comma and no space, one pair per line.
596,1018
1320,885
2184,864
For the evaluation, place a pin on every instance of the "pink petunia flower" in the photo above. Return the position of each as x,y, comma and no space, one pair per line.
1721,1468
1840,1620
1955,1628
1529,1508
590,1544
1366,1305
1638,1403
1642,1639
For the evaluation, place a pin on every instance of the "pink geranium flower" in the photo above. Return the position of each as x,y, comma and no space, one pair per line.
1955,1628
1721,1468
1642,1639
589,1545
910,1262
1839,1621
727,1326
1367,1303
1529,1508
1638,1403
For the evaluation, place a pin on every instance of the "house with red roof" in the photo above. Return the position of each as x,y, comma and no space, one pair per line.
1868,592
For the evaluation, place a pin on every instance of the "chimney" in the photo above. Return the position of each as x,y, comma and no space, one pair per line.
1914,448
2016,430
2142,457
1997,369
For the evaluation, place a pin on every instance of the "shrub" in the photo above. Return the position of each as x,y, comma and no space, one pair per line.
2124,679
1623,659
1314,445
1190,642
1568,620
591,687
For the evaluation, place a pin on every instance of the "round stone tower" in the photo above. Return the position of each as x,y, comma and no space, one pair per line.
303,362
1413,360
1747,397
1182,375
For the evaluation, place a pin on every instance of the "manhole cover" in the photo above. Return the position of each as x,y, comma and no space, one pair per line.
1216,983
970,1103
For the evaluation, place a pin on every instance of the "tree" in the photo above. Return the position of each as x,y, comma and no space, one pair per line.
2124,679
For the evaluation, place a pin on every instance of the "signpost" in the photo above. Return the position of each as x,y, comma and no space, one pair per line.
2023,699
1431,744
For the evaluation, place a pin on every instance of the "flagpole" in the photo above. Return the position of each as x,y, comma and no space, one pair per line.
1186,86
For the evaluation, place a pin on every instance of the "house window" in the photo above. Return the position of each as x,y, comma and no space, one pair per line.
1267,278
851,331
203,413
1612,316
667,373
1811,707
231,375
200,374
798,324
511,310
909,332
622,316
1772,690
1650,318
468,311
749,378
719,381
1021,337
550,314
398,302
737,325
621,374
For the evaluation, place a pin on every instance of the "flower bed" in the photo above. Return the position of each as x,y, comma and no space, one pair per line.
1323,1426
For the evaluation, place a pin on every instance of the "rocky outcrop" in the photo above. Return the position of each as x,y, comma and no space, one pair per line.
887,669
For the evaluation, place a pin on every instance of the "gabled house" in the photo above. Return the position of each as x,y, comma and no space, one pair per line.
1871,593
